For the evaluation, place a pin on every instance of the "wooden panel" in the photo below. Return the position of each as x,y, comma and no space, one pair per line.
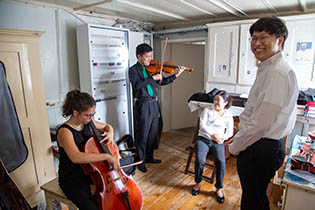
25,176
11,60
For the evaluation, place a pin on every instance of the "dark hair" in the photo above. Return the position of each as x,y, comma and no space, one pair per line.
142,49
76,100
272,25
226,97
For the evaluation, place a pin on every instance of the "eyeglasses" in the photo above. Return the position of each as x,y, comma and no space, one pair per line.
89,116
261,39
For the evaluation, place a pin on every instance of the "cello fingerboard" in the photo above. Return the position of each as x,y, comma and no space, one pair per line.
98,138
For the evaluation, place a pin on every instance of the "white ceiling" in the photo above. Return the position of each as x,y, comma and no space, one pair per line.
177,13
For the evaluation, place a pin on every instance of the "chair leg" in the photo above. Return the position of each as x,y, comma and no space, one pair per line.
212,176
188,161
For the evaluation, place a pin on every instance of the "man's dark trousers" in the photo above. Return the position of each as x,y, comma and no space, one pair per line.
146,126
256,166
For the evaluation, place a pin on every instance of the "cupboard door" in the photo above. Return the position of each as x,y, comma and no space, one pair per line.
15,59
299,49
223,53
19,51
247,60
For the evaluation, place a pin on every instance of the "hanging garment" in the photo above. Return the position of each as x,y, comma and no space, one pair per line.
13,150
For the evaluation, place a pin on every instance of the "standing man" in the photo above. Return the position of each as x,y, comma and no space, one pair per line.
269,114
146,110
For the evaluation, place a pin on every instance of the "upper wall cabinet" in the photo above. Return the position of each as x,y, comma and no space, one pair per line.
223,53
230,57
232,66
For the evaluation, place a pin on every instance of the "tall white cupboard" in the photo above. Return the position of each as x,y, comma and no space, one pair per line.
19,51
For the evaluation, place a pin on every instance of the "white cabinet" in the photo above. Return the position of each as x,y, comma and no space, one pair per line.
232,65
223,54
103,66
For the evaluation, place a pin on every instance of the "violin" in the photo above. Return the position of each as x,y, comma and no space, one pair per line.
305,158
168,67
114,189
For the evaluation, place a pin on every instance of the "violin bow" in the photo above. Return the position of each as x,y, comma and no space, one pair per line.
163,54
131,164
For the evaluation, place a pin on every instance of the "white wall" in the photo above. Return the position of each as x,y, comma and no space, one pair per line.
18,16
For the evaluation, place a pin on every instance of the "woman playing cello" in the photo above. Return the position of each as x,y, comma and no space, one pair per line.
80,107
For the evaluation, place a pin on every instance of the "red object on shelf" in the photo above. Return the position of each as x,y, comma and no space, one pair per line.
309,104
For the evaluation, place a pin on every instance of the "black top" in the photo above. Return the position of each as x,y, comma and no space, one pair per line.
67,169
139,83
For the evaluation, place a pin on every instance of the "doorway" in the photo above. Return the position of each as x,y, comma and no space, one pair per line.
175,111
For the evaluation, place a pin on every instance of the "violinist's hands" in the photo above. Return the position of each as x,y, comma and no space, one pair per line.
157,77
113,161
181,69
217,139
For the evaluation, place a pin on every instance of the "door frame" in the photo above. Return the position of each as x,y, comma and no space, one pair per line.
165,109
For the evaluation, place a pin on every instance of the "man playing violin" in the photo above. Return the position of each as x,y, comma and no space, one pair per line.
146,108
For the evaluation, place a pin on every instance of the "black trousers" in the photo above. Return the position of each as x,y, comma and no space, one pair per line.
146,128
204,146
79,192
256,166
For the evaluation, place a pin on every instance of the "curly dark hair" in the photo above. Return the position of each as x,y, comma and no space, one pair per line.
77,101
272,25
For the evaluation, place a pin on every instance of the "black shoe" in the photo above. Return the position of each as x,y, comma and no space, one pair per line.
153,161
142,168
195,192
219,199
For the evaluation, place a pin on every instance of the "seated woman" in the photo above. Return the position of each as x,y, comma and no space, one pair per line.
216,126
80,107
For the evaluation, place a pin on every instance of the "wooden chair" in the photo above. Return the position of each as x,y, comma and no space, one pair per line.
191,149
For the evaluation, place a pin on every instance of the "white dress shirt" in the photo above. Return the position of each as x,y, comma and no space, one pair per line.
211,123
270,111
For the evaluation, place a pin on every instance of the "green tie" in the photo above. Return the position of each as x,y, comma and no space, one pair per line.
149,88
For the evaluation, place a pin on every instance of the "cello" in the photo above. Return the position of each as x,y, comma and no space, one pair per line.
114,189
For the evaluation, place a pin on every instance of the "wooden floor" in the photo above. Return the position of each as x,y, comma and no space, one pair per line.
165,186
